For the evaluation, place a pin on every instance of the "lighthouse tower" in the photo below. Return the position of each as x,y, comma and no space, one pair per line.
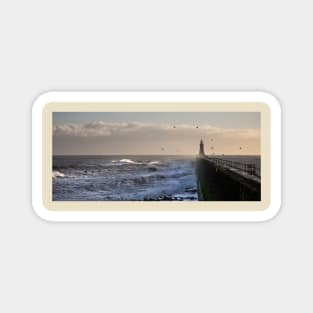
201,151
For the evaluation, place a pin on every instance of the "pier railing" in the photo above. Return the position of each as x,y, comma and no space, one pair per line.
247,168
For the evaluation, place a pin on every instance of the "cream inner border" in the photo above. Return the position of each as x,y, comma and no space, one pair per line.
259,107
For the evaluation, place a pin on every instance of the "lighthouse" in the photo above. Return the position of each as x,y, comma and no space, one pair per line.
201,151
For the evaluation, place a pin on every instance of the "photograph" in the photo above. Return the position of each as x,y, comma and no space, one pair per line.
156,156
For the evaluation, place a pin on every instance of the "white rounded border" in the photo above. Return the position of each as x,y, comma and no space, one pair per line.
153,216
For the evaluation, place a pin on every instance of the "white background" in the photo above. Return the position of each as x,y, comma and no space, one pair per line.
159,45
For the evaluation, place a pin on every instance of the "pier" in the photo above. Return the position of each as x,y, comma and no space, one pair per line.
220,179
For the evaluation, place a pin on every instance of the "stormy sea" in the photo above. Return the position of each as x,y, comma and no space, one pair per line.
129,178
124,178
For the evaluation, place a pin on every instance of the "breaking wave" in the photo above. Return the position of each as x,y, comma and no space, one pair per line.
130,161
56,174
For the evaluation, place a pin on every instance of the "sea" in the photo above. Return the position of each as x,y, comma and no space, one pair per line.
124,178
128,178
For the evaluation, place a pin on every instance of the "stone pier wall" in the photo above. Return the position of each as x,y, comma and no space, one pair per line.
217,183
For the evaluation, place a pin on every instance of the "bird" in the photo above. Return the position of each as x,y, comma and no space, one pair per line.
174,126
197,126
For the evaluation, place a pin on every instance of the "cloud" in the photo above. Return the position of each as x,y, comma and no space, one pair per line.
106,129
100,137
101,129
92,129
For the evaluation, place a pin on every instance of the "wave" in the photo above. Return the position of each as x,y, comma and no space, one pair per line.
154,162
129,161
153,178
56,174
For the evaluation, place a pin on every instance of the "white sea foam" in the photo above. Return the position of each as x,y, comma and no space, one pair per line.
129,161
56,174
154,162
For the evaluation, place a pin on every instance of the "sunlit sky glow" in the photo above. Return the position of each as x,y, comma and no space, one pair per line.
155,133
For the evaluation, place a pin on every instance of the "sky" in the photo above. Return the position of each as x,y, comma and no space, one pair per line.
148,133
